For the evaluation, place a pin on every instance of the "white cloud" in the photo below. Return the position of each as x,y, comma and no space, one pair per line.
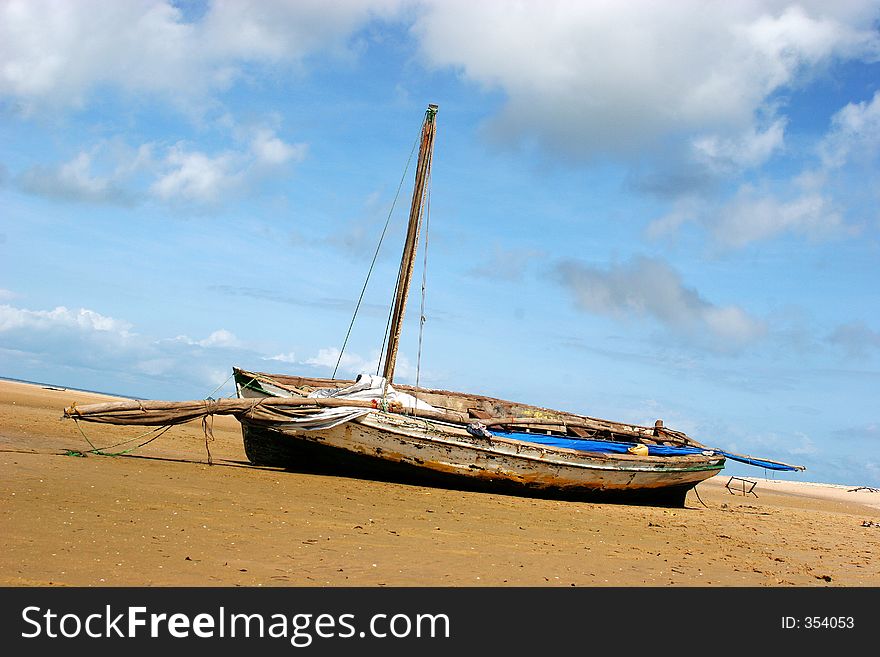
276,30
93,350
62,339
350,363
353,364
855,131
289,357
76,181
55,53
178,174
84,320
731,323
650,287
220,338
749,149
586,78
750,217
684,210
804,205
579,77
269,150
194,176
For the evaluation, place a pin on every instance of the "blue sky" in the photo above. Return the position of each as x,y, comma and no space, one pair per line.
638,210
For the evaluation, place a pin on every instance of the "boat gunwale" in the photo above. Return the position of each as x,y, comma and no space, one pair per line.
594,460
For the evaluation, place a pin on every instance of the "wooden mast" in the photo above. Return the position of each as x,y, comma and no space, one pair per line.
410,246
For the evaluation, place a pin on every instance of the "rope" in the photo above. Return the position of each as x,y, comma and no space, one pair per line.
387,328
101,450
267,379
146,442
422,317
210,395
208,428
257,402
373,263
76,422
387,335
697,493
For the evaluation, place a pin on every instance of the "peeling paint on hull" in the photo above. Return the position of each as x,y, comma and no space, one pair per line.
398,447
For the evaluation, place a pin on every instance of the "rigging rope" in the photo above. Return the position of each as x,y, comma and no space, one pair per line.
387,328
375,256
423,209
210,395
422,317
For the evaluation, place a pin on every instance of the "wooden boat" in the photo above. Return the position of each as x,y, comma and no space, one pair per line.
373,427
478,442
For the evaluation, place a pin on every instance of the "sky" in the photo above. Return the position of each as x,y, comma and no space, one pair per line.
637,210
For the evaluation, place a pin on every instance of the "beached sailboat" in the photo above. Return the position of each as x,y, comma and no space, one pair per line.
374,427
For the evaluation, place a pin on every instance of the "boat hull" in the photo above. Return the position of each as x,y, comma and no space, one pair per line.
391,447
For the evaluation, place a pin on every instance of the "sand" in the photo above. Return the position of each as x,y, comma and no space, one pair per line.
161,516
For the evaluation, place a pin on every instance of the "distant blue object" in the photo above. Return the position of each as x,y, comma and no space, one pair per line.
613,447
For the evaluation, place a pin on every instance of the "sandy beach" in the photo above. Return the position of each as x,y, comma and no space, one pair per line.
162,516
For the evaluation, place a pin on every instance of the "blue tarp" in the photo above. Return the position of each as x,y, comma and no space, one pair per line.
612,447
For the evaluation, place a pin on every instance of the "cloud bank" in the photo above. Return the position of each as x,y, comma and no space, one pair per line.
55,54
100,348
112,173
594,78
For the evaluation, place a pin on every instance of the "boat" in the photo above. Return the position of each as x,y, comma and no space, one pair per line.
374,427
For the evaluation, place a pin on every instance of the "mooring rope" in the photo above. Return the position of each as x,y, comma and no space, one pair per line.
697,493
102,450
208,427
